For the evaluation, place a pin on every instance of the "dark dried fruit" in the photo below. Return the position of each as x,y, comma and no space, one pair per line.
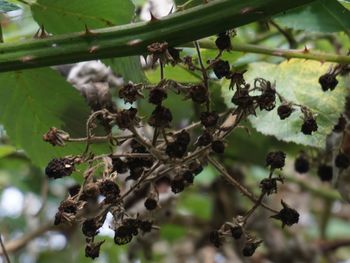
175,54
342,161
284,110
176,149
328,81
269,185
309,126
250,247
243,100
74,190
177,185
236,232
325,172
151,203
214,238
221,69
90,227
157,95
301,165
267,99
129,93
68,206
188,176
237,79
276,159
122,235
205,139
110,190
218,146
146,226
126,118
287,215
198,94
183,138
119,165
223,42
59,167
195,168
92,250
209,119
90,191
160,117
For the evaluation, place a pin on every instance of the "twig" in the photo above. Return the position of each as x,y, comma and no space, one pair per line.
4,251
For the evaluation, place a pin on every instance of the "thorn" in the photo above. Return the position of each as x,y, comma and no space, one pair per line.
93,49
306,50
171,10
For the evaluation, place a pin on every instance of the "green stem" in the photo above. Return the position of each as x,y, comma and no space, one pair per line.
133,39
278,52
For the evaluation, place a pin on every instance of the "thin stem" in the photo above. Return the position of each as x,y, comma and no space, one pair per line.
204,72
4,252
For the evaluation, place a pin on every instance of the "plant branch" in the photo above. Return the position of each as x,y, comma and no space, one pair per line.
4,251
133,39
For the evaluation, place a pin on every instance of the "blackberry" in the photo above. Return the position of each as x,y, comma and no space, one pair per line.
209,119
160,117
221,69
177,185
188,176
195,168
267,99
214,238
328,81
68,206
129,93
90,191
74,190
269,185
218,146
183,138
122,235
198,94
284,110
236,232
223,42
126,118
110,190
309,126
301,165
276,159
92,250
119,165
146,226
205,139
59,167
90,228
175,54
287,215
342,161
176,149
249,248
151,203
325,172
157,95
242,99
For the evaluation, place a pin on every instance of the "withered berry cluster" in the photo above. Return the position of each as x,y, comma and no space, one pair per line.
166,155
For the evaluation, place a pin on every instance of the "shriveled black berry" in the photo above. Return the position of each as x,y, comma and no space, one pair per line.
160,117
135,173
284,110
136,147
183,138
325,172
68,206
269,185
151,203
223,42
267,99
90,191
236,232
342,161
146,226
195,168
129,93
198,93
119,165
133,225
110,190
209,119
126,118
214,238
287,215
328,81
90,227
205,139
309,126
157,95
221,68
249,248
175,54
188,176
122,235
177,185
301,165
218,146
276,159
176,149
92,250
340,126
74,189
59,167
242,98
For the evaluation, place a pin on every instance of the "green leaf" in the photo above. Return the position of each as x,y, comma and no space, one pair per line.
297,81
7,7
66,16
320,16
127,67
31,102
198,205
345,3
188,3
172,232
6,150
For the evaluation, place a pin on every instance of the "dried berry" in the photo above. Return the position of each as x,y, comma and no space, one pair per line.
237,80
221,68
146,226
90,191
267,99
301,165
328,81
284,110
126,118
250,248
340,126
209,119
177,185
74,190
176,149
269,185
223,42
276,159
183,138
309,126
59,167
122,235
236,232
133,225
195,168
68,206
325,172
56,137
110,190
160,117
175,54
205,139
188,176
198,94
156,96
130,93
214,238
119,165
90,227
92,250
287,215
151,203
342,161
218,146
243,100
135,173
